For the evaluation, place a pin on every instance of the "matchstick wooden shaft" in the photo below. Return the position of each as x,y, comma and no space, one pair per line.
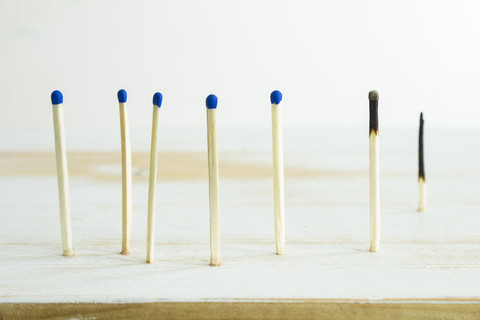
278,179
375,226
62,176
213,180
422,187
126,180
374,194
422,195
151,188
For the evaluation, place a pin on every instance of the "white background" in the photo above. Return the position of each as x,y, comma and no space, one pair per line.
323,55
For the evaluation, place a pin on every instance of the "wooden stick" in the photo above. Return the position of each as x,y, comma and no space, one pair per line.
375,227
62,173
157,103
215,257
422,186
126,174
278,173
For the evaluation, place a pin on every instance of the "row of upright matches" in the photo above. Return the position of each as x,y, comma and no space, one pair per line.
213,175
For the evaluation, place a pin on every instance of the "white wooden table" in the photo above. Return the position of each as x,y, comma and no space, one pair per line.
428,265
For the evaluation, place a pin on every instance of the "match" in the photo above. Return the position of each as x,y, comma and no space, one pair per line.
215,258
62,173
278,172
126,174
157,103
422,187
375,227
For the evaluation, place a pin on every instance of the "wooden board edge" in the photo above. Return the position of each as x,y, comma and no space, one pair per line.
426,309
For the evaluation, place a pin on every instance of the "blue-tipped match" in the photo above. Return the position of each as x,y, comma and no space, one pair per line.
157,99
212,101
276,97
57,97
122,96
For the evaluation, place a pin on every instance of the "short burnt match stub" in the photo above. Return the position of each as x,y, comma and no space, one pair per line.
373,98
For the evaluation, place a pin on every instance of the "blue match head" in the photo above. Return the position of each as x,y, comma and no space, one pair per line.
157,99
122,96
57,97
276,97
212,101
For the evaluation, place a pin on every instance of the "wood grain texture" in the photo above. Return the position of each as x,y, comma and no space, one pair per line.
375,220
213,182
105,167
126,179
278,179
152,180
422,195
429,265
62,178
320,310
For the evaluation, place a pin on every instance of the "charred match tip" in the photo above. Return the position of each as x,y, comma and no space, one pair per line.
157,99
373,95
373,98
421,165
122,96
57,97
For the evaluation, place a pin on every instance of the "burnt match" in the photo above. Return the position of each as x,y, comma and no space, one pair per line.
422,187
374,173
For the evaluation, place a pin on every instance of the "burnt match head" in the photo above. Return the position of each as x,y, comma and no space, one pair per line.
421,165
373,98
373,95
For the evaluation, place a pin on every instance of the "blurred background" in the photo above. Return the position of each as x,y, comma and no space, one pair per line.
323,55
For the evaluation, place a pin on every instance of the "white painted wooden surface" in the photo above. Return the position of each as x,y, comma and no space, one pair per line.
431,255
